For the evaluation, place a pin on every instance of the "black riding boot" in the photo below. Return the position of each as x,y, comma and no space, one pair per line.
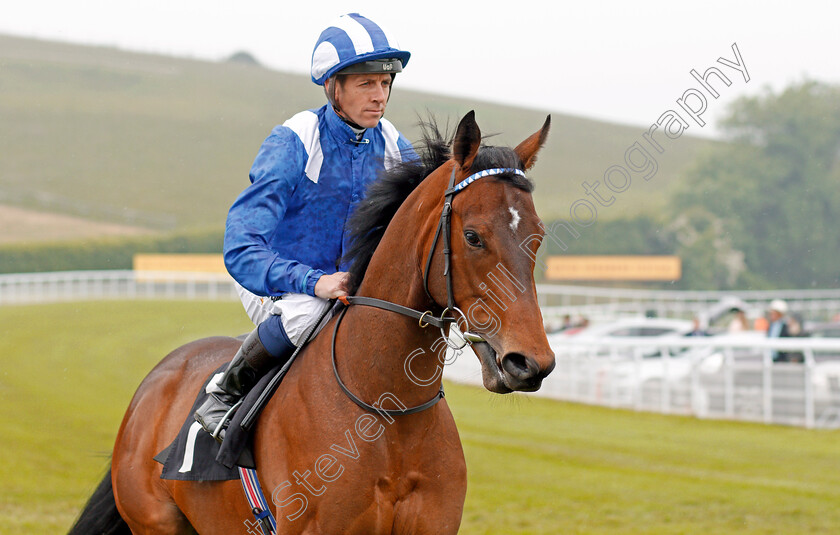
251,362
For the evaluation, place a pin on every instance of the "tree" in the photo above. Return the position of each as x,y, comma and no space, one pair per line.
774,190
245,58
709,260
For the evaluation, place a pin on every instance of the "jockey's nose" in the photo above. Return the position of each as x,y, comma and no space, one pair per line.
380,94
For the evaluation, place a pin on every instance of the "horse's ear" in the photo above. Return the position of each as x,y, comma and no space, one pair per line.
466,142
527,150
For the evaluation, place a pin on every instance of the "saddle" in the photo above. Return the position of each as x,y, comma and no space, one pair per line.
194,455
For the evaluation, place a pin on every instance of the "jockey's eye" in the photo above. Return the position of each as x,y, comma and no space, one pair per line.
473,239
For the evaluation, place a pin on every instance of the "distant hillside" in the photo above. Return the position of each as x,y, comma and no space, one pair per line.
166,143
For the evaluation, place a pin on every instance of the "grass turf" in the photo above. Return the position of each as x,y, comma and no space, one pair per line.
535,466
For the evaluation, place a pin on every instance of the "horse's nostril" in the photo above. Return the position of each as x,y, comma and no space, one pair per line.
519,366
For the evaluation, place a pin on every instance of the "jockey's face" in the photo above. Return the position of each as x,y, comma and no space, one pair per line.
362,97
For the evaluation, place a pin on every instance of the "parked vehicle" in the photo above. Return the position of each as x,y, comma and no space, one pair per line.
625,327
726,376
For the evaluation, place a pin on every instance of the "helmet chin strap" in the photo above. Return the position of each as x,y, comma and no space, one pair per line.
334,103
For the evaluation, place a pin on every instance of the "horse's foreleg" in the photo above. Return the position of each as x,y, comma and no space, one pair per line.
435,504
428,514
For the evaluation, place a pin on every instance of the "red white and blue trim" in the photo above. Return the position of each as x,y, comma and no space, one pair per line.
256,499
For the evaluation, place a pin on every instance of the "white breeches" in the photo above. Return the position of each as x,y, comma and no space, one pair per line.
298,312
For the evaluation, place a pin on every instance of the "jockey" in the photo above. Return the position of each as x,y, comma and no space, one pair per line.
284,237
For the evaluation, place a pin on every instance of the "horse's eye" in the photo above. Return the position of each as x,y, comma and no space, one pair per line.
473,238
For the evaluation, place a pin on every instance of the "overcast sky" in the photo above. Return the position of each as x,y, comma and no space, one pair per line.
620,61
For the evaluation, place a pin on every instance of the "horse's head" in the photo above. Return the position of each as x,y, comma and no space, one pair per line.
494,235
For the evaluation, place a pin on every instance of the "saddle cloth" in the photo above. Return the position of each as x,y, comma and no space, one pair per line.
194,455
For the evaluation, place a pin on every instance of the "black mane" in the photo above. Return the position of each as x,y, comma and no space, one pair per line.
386,194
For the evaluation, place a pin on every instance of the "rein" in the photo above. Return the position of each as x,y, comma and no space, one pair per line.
422,317
367,406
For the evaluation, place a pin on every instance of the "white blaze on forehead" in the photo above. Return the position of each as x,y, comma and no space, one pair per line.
514,220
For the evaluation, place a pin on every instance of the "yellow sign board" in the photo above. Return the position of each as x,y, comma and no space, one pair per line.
614,268
197,263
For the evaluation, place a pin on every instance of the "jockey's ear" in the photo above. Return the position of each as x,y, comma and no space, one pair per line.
527,150
466,142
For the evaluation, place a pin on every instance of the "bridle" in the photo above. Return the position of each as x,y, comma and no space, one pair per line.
444,229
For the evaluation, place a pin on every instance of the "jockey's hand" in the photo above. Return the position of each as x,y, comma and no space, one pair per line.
332,286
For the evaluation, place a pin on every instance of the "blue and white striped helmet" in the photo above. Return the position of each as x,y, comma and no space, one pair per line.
354,39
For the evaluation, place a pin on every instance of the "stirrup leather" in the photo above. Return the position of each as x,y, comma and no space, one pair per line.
219,433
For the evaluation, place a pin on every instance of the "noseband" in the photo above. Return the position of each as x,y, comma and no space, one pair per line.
444,228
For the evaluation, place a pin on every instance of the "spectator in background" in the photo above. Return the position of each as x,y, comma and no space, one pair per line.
554,326
779,329
581,325
794,324
567,322
697,329
739,322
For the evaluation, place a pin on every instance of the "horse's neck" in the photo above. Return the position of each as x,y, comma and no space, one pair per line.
383,352
386,350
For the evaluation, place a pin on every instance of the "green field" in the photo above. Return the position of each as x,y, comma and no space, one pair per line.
535,466
146,140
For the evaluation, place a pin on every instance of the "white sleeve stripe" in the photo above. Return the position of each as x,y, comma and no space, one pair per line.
392,150
305,125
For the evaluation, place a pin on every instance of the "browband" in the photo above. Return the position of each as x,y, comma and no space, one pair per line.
487,172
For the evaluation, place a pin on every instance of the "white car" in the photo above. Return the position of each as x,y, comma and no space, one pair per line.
625,327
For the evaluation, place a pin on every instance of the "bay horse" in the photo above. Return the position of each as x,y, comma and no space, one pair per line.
328,464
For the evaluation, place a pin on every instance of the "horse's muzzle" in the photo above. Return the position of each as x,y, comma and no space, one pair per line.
523,373
513,372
